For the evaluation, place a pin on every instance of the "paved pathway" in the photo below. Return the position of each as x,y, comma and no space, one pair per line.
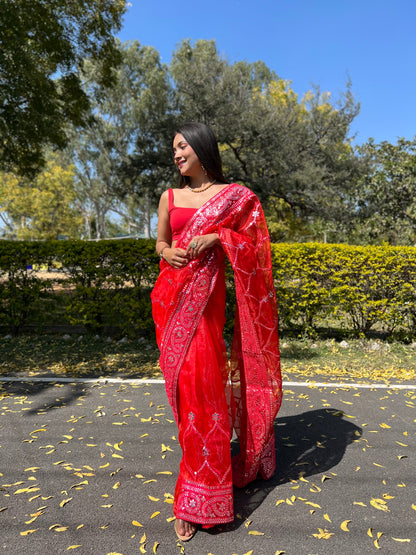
91,468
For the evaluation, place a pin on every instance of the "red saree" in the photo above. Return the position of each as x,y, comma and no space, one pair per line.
209,396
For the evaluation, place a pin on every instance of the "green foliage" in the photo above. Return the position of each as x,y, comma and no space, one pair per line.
104,285
385,196
42,208
43,45
21,290
125,150
294,150
301,279
365,288
111,280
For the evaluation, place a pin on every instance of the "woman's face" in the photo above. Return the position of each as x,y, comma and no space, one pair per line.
185,158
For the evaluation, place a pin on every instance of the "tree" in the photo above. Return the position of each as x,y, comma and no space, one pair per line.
42,208
386,198
318,169
294,151
146,165
43,45
121,156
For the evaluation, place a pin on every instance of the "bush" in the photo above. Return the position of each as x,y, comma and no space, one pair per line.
111,283
106,285
357,287
21,290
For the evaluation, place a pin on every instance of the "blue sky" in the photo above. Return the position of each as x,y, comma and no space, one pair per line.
308,42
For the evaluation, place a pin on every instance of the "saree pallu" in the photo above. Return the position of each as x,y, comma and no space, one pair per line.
210,396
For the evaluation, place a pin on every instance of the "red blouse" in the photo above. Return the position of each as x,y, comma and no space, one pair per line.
178,217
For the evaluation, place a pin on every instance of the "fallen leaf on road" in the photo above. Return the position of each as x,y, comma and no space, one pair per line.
344,525
313,504
323,534
35,516
379,504
26,490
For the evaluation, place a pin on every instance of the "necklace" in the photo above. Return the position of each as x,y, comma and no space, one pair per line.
199,190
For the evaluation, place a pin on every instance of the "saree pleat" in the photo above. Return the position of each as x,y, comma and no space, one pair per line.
209,396
204,488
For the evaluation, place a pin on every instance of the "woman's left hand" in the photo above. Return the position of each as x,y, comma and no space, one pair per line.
200,243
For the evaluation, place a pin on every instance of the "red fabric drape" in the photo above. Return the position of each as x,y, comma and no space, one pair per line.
208,395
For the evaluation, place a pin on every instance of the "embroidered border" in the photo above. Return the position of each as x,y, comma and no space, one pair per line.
204,504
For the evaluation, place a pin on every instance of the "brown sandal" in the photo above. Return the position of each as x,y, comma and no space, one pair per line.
184,538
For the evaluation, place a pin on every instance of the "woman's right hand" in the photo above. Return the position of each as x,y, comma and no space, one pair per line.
175,257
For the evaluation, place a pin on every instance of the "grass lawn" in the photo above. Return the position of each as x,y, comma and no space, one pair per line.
86,356
358,360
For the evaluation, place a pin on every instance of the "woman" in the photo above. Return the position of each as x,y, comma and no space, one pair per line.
200,223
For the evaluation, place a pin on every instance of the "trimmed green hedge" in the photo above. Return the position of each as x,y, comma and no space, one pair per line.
106,285
97,285
355,287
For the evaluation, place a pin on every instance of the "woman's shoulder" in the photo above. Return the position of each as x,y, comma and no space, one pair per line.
168,192
165,198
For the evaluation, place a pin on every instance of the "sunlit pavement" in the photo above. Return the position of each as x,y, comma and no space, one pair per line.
91,468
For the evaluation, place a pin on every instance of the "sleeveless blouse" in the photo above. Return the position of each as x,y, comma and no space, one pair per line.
178,216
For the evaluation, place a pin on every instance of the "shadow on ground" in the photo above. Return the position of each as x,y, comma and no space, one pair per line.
298,352
50,398
306,444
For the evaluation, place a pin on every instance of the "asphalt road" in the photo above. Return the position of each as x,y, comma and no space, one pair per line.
91,468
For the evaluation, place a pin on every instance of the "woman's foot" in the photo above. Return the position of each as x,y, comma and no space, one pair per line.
184,530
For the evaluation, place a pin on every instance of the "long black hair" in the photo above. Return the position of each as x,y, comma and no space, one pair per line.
204,143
